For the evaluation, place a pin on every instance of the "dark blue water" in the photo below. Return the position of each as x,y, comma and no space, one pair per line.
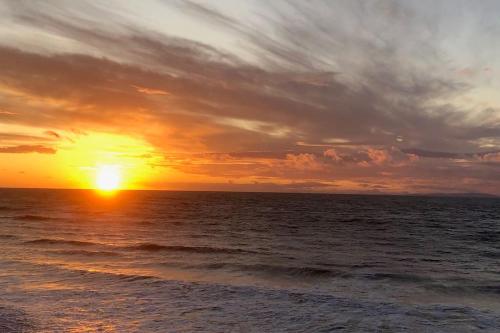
74,261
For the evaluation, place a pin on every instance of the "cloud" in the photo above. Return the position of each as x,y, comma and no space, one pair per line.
448,155
305,162
258,186
332,153
15,137
490,157
53,134
24,149
6,113
149,91
337,93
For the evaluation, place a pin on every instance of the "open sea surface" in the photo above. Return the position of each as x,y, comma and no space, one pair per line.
146,261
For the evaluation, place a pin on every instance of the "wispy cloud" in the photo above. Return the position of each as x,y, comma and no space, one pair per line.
337,94
24,149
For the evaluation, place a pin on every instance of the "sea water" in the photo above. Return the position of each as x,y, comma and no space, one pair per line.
151,261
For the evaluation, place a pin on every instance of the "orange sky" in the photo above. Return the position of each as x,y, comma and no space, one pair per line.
213,96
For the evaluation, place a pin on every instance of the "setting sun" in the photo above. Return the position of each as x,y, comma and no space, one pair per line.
108,178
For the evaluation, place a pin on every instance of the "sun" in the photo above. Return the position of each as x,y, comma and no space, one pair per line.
108,177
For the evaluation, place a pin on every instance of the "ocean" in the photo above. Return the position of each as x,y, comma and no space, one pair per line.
160,261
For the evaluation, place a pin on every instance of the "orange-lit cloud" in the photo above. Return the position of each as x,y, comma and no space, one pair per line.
53,134
27,149
321,109
149,91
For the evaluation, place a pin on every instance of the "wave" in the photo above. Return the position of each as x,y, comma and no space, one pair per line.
491,254
119,276
79,273
292,271
430,260
146,223
50,241
448,286
88,253
8,209
492,289
30,217
399,277
347,266
152,247
6,236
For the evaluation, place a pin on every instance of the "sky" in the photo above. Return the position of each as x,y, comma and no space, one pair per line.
338,96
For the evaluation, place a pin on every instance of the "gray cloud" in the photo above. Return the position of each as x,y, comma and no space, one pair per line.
374,94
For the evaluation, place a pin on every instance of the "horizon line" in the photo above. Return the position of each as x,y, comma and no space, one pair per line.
413,194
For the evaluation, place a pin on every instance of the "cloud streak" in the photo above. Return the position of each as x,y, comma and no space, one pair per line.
24,149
